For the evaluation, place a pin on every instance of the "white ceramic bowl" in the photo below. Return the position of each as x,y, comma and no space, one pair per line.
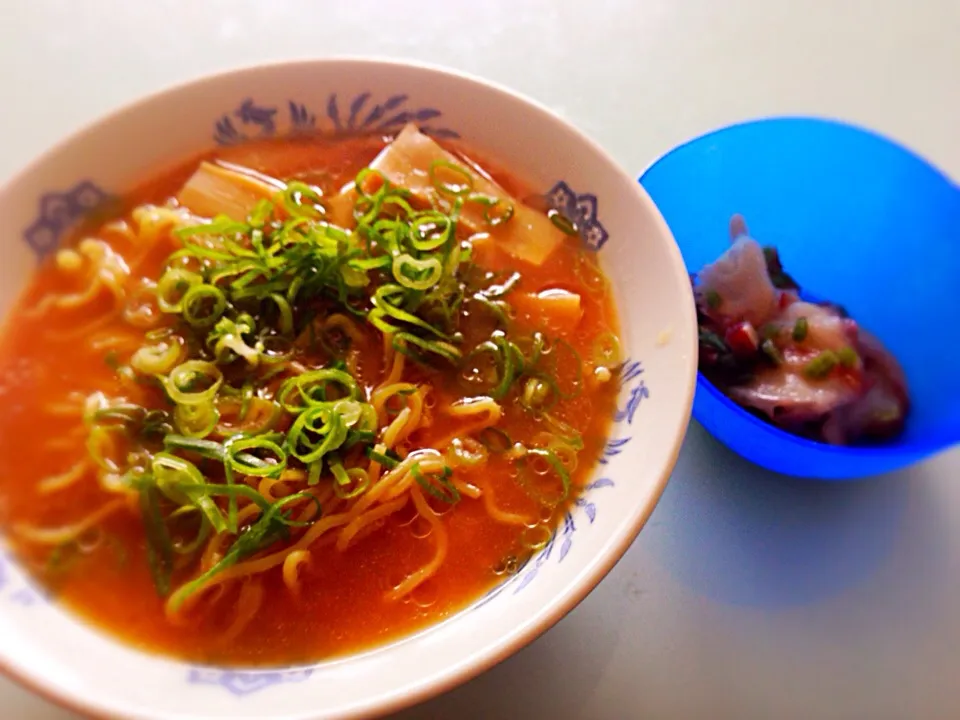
55,654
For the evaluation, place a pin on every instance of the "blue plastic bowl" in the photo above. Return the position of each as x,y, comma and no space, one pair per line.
858,220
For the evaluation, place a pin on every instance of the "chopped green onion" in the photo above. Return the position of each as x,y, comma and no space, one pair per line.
156,359
714,300
317,431
498,308
203,532
712,340
772,352
800,329
173,286
387,301
590,275
385,460
555,464
437,484
240,461
848,356
205,448
179,480
302,200
402,341
261,213
349,483
184,378
450,179
821,365
430,230
562,222
123,412
606,350
228,340
272,526
202,305
220,225
416,274
536,392
564,431
286,313
313,388
159,547
196,420
495,210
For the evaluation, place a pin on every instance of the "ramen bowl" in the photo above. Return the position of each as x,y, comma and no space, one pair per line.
61,657
858,220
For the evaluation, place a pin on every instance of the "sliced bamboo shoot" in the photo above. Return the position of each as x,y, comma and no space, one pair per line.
225,189
406,162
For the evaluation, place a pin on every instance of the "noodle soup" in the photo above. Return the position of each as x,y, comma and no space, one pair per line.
302,397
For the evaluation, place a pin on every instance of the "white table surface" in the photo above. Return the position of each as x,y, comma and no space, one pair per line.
747,595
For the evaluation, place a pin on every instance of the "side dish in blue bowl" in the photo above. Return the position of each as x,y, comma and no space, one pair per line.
822,257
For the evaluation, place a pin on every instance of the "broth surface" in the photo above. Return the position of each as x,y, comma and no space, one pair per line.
52,360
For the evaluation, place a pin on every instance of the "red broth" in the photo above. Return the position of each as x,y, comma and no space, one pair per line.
104,573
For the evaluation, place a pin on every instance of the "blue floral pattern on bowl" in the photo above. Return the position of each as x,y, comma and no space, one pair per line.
61,210
245,682
15,589
249,121
582,210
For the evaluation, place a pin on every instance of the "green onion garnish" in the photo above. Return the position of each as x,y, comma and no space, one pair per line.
385,460
553,464
821,365
495,211
159,546
194,382
450,179
172,288
606,350
772,352
536,392
800,329
237,365
711,339
239,450
272,526
437,484
180,481
848,356
563,223
202,305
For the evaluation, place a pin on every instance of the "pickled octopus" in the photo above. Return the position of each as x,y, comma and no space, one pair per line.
804,365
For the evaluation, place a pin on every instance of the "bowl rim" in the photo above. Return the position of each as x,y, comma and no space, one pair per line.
824,120
808,445
620,539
